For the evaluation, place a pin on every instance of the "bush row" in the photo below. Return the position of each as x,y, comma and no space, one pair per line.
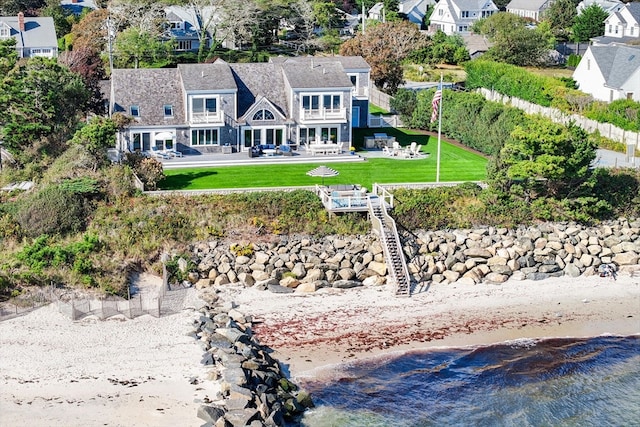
551,92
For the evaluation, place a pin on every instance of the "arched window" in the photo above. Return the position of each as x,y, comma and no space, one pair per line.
263,115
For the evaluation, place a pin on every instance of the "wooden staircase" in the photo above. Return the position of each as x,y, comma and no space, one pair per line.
385,226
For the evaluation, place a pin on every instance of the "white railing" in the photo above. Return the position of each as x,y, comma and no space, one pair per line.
360,92
206,117
323,114
386,198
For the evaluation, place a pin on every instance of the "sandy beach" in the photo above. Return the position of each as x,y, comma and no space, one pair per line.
310,331
119,372
116,372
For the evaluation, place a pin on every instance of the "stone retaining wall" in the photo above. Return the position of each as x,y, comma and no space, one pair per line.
486,254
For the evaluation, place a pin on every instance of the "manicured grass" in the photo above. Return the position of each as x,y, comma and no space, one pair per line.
456,164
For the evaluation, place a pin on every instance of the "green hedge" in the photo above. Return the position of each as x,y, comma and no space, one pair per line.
468,117
550,92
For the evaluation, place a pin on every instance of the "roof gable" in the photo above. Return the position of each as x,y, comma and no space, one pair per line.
262,103
312,75
256,80
207,77
38,32
617,63
150,89
533,5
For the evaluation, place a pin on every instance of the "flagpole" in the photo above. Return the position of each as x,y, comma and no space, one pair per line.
439,130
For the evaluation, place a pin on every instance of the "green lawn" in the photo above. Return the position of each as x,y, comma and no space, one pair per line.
456,164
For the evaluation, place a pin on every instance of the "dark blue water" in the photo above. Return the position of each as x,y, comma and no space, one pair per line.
553,382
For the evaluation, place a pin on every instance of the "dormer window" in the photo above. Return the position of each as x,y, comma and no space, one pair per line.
263,115
4,31
168,110
134,110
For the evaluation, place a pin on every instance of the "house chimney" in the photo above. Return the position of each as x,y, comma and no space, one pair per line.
21,21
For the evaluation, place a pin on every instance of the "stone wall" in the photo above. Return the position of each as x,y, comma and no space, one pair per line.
486,254
254,391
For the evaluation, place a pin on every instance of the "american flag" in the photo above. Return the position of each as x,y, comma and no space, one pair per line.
435,102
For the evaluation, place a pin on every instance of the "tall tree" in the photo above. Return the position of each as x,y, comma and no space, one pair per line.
513,42
384,47
45,99
590,23
134,47
547,158
91,31
561,15
87,64
12,7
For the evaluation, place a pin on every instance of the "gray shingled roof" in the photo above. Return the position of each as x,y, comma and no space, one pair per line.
471,4
207,77
634,8
616,62
315,75
39,32
348,62
150,89
534,5
259,79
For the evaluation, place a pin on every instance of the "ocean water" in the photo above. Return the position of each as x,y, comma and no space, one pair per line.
551,382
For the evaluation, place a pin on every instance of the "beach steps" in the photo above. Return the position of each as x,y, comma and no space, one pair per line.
386,228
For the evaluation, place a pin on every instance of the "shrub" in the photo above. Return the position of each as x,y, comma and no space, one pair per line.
150,173
52,210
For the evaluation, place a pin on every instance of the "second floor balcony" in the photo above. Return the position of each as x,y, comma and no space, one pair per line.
323,114
211,117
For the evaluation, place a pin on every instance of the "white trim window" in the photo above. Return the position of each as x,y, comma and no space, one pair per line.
134,110
263,115
204,109
201,137
168,110
322,106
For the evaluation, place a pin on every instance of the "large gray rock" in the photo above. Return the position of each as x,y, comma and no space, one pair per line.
346,284
210,413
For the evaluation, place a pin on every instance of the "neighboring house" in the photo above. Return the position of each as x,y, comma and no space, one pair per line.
205,107
610,72
77,6
476,44
622,26
531,9
415,10
624,23
183,28
457,16
608,6
376,12
34,36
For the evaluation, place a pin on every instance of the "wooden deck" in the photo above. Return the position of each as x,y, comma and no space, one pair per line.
352,198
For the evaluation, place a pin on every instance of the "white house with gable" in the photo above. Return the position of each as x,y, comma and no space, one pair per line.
457,16
531,9
610,72
624,23
33,36
608,6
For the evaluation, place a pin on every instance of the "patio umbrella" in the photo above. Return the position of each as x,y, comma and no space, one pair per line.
323,171
163,136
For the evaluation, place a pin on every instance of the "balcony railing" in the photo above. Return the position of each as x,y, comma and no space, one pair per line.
323,114
206,117
360,92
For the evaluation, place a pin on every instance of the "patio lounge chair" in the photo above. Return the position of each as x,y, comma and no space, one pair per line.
172,152
159,154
